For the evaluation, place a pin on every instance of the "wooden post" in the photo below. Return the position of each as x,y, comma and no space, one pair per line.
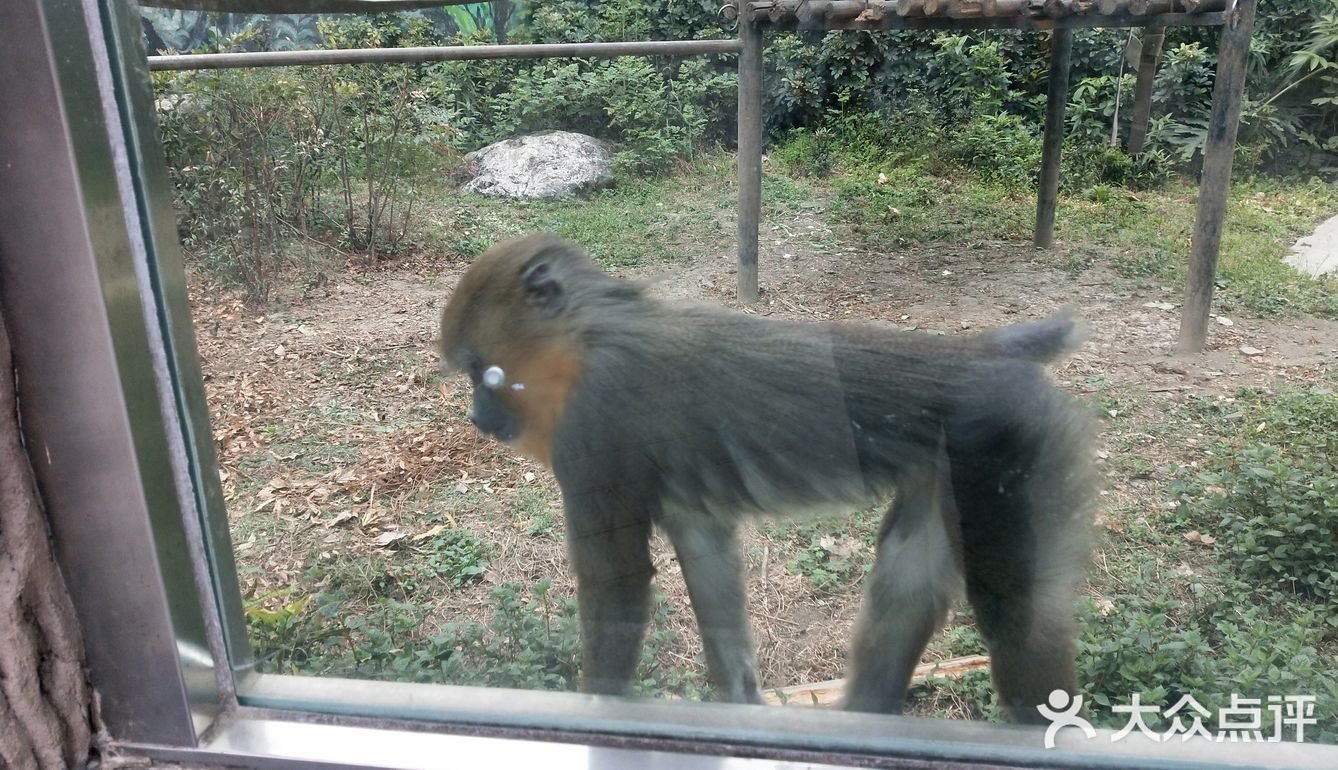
780,10
1215,184
810,15
1057,96
750,150
1148,58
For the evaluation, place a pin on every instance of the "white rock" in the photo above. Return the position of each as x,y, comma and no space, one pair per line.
546,165
1317,253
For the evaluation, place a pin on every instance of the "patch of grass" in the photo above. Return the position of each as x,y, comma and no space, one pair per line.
832,552
901,196
1270,495
456,556
638,221
530,640
781,190
904,212
831,562
895,193
894,188
534,508
1150,235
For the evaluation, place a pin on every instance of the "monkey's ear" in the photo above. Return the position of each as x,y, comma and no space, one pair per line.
542,289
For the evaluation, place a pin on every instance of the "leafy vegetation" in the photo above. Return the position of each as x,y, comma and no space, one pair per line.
1273,499
530,640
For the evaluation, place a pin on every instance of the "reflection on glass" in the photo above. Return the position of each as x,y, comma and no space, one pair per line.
380,535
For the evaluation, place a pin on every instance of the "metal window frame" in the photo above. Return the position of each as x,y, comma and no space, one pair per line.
113,412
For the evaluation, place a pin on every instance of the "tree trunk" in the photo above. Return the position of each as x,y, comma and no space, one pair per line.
45,704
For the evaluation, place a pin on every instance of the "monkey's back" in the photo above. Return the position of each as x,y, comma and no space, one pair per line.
731,413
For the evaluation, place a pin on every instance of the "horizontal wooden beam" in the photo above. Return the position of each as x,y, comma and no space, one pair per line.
216,61
301,6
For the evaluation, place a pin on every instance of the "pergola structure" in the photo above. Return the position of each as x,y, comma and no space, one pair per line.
754,17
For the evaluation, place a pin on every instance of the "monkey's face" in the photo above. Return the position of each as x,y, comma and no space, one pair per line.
489,412
496,393
506,326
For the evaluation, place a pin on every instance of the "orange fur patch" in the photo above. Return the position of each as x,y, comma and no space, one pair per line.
548,376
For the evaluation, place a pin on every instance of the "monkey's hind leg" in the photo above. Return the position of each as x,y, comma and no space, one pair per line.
709,555
1022,502
914,581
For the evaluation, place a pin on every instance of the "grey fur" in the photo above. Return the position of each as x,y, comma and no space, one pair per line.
690,417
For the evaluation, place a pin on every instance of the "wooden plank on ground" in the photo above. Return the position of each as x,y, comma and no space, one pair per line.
828,694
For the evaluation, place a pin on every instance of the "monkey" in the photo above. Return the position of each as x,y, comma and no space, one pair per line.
691,418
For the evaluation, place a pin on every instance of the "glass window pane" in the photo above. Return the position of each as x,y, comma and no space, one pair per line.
329,212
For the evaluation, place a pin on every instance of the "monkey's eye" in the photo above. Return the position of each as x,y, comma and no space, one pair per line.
474,368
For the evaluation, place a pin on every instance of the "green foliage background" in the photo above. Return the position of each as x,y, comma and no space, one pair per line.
1290,117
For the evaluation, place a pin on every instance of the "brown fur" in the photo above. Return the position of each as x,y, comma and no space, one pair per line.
549,374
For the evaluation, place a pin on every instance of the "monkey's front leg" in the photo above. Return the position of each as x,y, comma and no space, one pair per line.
611,558
709,555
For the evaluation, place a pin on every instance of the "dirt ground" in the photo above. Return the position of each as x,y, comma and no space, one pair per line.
338,441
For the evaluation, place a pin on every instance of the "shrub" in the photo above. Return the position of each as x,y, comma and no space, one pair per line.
1150,642
1273,502
258,157
1000,147
245,150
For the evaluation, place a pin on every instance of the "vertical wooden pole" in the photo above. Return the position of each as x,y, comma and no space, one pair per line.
1047,193
750,150
1147,74
1215,184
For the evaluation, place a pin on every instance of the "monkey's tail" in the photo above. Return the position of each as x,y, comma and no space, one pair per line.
1040,341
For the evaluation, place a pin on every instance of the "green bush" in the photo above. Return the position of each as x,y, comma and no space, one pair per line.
244,149
653,110
1090,163
532,641
1150,641
999,147
1279,520
261,157
1272,502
